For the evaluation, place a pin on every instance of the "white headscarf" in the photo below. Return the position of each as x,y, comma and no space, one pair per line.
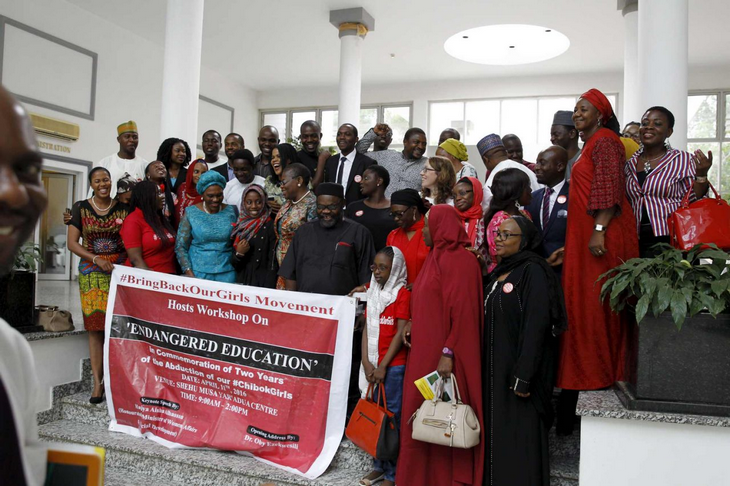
378,299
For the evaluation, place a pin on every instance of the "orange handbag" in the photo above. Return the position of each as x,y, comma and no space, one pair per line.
703,221
372,427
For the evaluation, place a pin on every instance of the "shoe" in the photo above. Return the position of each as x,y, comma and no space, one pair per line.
369,482
97,400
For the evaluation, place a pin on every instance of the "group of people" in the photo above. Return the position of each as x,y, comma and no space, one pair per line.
462,276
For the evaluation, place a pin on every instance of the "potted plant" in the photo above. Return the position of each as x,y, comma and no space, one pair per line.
17,290
679,354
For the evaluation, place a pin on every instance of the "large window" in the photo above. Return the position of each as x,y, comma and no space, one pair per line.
528,118
708,128
288,121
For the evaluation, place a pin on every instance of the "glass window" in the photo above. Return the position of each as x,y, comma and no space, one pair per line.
482,118
519,116
546,111
714,174
445,115
724,170
277,120
727,116
702,116
329,128
299,117
398,118
368,119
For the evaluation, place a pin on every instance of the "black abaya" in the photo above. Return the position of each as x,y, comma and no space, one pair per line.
518,344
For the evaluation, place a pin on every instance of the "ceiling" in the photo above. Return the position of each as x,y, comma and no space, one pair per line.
277,44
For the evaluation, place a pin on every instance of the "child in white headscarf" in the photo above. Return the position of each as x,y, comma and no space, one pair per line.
383,354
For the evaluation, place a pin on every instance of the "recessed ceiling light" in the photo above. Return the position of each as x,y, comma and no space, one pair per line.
495,44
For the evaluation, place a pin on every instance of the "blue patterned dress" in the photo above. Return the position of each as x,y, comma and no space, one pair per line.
204,243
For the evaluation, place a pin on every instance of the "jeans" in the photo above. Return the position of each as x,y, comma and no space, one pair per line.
394,396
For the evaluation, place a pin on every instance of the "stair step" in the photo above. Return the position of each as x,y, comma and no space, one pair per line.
115,476
189,467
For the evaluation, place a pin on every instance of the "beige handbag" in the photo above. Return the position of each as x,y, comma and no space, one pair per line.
54,320
451,424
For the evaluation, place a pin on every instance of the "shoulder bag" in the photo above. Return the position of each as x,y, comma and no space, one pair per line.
704,221
372,426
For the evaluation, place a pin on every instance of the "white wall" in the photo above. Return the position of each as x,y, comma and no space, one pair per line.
58,361
129,80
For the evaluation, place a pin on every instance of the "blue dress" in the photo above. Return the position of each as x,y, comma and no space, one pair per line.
204,243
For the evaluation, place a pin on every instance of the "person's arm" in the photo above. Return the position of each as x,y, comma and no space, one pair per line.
366,141
288,267
290,285
608,190
182,245
319,176
72,242
135,256
702,167
366,364
240,254
535,329
131,233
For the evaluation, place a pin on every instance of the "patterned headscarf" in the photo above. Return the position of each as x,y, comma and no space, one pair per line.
247,225
210,178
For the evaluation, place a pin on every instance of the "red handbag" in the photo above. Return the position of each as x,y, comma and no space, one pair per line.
372,427
703,221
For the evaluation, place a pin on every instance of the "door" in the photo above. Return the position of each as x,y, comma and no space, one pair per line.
52,231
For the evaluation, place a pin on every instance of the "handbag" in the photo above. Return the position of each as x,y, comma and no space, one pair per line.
451,424
54,320
372,426
703,221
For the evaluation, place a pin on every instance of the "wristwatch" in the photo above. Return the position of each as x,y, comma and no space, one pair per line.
599,227
448,352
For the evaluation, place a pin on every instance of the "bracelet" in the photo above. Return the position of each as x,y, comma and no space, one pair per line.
240,255
700,179
93,260
600,227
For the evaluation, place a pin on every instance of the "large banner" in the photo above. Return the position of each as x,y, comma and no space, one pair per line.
194,363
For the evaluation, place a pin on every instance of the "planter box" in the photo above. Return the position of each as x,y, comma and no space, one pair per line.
686,371
17,301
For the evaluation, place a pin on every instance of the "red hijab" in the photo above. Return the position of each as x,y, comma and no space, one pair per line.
600,102
474,213
188,193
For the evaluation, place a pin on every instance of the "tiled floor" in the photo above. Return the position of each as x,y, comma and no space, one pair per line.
64,294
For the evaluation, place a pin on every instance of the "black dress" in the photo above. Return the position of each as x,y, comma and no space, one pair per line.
258,266
518,343
377,221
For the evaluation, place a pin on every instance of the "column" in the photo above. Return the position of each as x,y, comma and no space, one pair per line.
631,110
181,70
663,61
353,25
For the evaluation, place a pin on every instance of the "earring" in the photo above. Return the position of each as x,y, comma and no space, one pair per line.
599,122
299,185
517,204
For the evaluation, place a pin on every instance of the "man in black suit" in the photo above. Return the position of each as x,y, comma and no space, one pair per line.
345,168
232,143
549,206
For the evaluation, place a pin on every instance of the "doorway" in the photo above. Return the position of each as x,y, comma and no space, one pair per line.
60,188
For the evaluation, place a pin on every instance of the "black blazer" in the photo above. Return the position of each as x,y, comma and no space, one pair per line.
553,234
352,188
222,170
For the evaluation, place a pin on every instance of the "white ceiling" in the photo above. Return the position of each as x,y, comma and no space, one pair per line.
275,44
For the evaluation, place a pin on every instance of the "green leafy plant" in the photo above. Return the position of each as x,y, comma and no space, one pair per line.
28,258
684,285
297,144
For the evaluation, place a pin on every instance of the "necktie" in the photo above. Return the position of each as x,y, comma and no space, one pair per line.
341,169
546,206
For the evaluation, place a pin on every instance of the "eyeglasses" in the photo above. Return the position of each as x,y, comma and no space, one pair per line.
398,214
427,169
504,235
381,268
462,193
283,183
331,207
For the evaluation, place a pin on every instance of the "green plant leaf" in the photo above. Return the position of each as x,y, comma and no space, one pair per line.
678,306
642,306
664,295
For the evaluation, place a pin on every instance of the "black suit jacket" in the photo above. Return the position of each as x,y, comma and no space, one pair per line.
352,188
553,234
222,170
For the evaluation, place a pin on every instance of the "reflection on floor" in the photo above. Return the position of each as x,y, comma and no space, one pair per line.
64,294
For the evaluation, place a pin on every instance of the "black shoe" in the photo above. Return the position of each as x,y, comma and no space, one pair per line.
97,400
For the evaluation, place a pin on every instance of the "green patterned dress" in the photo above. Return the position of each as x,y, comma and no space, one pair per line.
100,235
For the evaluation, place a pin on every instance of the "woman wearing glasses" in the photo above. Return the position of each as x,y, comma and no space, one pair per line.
407,210
300,207
523,314
437,181
510,191
373,212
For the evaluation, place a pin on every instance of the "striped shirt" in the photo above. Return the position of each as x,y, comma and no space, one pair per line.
663,190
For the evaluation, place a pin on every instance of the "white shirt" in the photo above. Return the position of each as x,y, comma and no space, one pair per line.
233,193
18,375
507,164
117,167
349,160
553,197
467,170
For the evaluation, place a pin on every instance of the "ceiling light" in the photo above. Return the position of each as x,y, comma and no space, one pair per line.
507,44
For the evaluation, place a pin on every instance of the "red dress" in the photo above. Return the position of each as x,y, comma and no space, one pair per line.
414,250
447,310
593,349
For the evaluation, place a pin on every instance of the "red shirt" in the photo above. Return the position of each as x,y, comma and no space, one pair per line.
157,254
414,250
400,309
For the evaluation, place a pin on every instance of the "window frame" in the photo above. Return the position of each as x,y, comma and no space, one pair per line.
721,137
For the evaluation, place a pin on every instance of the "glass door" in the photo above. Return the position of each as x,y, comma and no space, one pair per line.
51,229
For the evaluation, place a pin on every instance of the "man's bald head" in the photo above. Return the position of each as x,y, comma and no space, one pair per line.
550,165
22,195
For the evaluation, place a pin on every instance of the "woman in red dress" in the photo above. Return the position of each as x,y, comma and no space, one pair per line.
601,234
408,210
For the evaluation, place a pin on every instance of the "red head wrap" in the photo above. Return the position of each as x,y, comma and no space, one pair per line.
600,102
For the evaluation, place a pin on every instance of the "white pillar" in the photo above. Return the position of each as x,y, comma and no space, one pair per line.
181,70
631,108
350,77
663,61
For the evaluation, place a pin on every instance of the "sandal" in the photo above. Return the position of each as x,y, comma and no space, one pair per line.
368,481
